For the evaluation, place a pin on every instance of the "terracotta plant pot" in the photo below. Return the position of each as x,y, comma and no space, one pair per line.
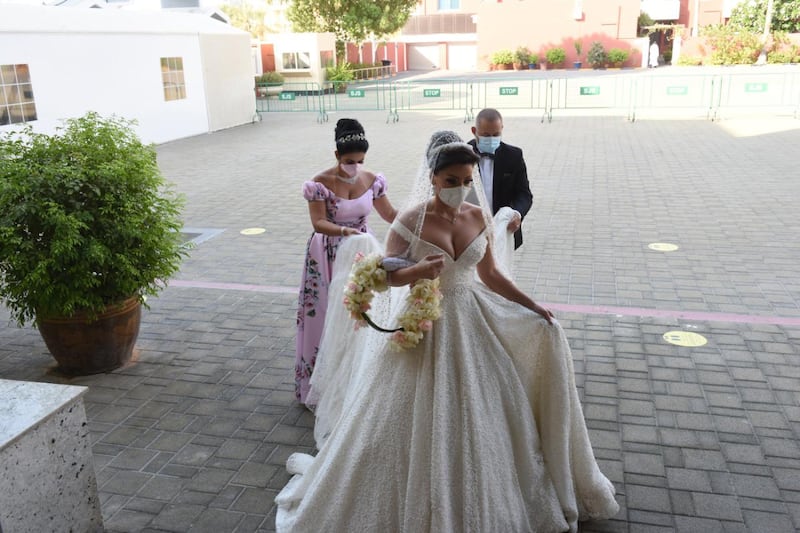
82,347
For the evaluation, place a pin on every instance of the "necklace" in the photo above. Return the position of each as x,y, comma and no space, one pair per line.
450,219
351,180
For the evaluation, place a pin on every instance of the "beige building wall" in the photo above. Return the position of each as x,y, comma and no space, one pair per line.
547,24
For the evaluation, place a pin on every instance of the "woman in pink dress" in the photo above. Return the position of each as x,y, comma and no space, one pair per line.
340,199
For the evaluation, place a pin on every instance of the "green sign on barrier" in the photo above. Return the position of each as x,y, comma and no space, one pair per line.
677,90
286,96
592,90
755,87
431,93
356,93
509,91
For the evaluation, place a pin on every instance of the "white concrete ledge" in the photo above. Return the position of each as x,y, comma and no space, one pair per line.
46,461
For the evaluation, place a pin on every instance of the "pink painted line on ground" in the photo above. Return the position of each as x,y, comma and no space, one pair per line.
233,286
700,316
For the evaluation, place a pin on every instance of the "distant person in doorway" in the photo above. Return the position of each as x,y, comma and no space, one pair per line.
653,62
504,175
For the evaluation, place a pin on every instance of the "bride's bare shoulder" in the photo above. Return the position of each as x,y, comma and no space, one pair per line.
474,212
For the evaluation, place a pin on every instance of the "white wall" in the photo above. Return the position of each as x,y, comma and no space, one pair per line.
119,74
227,63
312,43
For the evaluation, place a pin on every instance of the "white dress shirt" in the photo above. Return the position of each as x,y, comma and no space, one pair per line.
486,165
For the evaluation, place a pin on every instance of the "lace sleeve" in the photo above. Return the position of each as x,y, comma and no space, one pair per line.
400,239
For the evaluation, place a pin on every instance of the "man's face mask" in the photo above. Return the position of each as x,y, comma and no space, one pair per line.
488,145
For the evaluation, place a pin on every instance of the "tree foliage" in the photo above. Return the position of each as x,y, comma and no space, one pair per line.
750,15
247,17
351,20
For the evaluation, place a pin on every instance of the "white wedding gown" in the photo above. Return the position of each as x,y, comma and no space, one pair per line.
477,429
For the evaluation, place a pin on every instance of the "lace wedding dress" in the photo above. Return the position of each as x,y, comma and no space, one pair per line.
477,429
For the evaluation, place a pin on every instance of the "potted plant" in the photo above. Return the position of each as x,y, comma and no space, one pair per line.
504,59
556,56
521,57
339,75
617,56
269,83
533,61
597,55
88,229
578,50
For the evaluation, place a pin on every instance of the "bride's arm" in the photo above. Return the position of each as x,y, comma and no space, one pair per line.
428,268
493,278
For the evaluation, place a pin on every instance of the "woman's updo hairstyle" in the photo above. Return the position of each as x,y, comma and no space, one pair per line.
350,137
446,148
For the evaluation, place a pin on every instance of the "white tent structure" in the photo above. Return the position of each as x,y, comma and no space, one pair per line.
176,74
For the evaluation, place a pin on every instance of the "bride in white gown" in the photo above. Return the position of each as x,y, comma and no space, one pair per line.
479,427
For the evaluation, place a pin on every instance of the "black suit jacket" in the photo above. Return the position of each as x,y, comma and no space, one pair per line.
510,186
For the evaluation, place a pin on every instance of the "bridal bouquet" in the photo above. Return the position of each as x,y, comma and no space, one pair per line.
368,276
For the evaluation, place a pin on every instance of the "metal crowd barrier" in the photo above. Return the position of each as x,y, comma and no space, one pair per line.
709,95
289,97
776,93
356,96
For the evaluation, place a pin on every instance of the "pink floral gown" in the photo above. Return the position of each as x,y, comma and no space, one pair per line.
320,255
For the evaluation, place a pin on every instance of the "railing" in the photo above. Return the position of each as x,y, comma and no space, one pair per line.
708,95
373,73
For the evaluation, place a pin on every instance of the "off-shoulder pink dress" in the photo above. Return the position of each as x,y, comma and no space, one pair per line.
320,255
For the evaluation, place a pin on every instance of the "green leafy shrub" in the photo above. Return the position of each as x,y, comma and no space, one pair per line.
617,56
578,48
342,72
86,219
270,77
689,61
556,56
503,57
522,55
782,49
597,55
730,46
533,59
778,57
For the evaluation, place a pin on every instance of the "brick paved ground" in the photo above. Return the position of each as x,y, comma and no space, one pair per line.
193,436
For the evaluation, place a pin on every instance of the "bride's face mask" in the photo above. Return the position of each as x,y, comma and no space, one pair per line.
453,184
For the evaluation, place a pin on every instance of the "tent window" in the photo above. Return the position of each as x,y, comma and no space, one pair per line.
172,78
16,95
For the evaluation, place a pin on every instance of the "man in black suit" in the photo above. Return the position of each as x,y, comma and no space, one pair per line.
503,172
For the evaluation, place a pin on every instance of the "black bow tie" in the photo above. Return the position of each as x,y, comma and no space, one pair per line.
482,154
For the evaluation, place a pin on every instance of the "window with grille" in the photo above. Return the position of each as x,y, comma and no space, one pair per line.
172,78
16,95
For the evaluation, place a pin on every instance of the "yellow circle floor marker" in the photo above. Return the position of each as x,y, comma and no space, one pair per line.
663,247
685,338
252,231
